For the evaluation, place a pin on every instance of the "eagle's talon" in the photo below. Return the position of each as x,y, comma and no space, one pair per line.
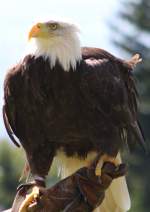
30,200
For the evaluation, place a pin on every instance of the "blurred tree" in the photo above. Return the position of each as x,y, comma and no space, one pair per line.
132,35
12,161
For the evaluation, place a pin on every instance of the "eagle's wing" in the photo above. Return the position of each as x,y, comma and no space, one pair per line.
9,107
108,86
15,101
22,93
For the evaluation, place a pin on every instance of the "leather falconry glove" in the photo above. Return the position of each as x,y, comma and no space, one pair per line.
82,191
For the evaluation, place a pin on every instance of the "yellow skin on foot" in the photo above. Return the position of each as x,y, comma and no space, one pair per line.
30,198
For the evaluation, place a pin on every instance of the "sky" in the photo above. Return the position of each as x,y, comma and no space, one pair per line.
17,16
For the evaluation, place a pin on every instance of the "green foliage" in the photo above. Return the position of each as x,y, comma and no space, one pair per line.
133,35
12,161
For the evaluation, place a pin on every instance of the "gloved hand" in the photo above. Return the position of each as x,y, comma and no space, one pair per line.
81,192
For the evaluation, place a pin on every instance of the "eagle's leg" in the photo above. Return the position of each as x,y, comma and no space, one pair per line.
40,163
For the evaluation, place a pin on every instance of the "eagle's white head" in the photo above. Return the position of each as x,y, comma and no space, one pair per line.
57,41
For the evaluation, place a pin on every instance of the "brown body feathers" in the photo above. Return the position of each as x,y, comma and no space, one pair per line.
92,108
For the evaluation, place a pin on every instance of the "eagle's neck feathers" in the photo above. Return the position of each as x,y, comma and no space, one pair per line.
66,50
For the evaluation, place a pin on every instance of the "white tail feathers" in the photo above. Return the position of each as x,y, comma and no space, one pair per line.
120,194
119,186
117,197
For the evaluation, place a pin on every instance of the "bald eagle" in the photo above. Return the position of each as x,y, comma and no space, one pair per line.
70,103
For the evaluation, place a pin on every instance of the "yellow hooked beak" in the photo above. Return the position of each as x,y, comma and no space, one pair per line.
38,30
34,32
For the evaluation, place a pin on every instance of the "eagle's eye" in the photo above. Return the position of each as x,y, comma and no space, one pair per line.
53,26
